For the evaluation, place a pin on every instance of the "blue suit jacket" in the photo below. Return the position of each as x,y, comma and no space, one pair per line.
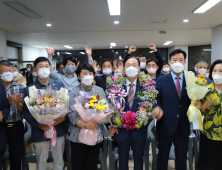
174,108
4,107
38,134
139,135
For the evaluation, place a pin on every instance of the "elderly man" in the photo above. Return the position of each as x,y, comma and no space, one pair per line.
202,69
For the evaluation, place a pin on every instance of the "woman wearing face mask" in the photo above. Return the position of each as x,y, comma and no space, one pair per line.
18,78
83,156
61,68
211,138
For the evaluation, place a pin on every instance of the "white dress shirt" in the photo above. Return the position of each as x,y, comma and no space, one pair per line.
128,85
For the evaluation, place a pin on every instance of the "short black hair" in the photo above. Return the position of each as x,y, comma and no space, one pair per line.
165,63
152,59
28,64
195,63
85,66
40,59
143,55
105,60
212,68
128,57
71,58
178,51
58,65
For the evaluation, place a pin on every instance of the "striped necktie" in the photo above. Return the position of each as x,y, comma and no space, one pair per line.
130,96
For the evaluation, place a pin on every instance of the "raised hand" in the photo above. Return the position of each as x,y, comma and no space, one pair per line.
51,50
95,66
10,99
88,50
17,98
207,104
120,67
131,49
77,65
152,47
157,113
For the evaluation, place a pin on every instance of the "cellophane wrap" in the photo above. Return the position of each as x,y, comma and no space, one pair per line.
195,92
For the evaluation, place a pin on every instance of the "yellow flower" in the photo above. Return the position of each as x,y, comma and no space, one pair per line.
141,123
118,121
94,97
92,101
137,126
103,107
47,100
91,104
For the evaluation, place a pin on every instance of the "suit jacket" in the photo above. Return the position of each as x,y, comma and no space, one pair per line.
4,107
139,135
174,108
38,134
30,80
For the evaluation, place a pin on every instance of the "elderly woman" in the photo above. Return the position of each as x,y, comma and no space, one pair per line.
83,156
18,77
211,138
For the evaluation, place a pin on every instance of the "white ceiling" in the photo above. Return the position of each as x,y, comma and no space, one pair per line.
77,23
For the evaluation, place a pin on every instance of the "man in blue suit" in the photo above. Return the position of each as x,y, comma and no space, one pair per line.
136,138
61,125
171,111
4,113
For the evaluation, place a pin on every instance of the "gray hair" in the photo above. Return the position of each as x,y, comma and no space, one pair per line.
202,62
6,62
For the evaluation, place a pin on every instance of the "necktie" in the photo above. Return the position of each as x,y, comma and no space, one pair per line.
130,96
178,86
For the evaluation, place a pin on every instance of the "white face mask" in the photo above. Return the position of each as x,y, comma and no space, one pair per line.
202,71
87,80
195,69
131,72
7,76
207,75
107,71
34,74
151,71
28,69
99,69
142,65
217,78
177,67
44,73
166,69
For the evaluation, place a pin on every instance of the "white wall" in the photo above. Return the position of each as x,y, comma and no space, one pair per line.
216,43
12,53
3,50
31,53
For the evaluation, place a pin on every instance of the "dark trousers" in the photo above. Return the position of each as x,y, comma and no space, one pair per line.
84,157
138,153
15,137
3,143
181,147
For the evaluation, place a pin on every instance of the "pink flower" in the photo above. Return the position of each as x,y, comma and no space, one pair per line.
115,78
39,101
86,105
129,120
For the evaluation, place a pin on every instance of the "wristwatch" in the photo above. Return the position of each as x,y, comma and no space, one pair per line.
85,125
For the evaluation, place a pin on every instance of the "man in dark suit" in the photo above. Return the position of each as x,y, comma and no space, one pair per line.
171,111
32,78
136,138
41,144
29,68
4,113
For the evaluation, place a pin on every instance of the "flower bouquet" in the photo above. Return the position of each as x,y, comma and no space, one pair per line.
196,90
92,108
147,98
47,105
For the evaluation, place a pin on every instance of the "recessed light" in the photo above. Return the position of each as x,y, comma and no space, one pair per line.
82,52
116,22
67,46
112,44
186,20
48,25
206,6
207,50
126,46
110,47
151,51
117,52
168,42
114,7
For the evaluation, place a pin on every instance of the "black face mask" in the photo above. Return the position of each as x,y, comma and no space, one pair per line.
62,71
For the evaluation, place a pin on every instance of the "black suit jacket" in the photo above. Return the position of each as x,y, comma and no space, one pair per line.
29,80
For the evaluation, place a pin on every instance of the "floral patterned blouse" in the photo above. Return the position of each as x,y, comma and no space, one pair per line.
212,124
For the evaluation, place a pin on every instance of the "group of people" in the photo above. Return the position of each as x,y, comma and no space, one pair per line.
170,110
